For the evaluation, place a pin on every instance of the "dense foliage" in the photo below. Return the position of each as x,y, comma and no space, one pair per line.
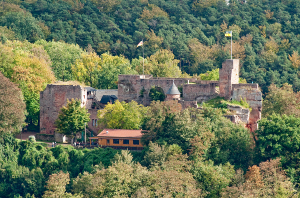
27,65
12,107
189,153
122,115
72,118
265,33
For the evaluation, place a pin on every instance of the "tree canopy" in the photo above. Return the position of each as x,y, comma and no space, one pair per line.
12,107
121,115
72,118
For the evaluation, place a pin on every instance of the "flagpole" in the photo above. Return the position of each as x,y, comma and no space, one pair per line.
143,57
231,44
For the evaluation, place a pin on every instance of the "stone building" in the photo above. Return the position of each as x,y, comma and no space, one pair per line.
55,96
137,87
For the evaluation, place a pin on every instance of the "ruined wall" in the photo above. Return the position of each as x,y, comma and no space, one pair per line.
207,82
52,99
199,92
93,115
242,113
228,75
254,99
130,86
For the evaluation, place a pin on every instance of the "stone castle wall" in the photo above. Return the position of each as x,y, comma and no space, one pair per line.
253,97
199,92
52,99
130,87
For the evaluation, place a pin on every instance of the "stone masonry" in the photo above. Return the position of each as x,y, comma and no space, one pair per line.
55,96
52,99
137,87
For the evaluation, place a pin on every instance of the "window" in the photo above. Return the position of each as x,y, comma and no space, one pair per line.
93,122
107,141
116,141
125,141
136,142
96,122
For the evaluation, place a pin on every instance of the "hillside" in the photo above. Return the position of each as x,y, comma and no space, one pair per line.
265,33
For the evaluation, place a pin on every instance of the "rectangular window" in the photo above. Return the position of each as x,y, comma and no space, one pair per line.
96,122
125,141
107,141
136,142
116,141
93,122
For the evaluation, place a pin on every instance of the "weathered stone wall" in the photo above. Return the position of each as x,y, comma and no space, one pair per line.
199,92
241,112
207,82
93,115
228,75
52,99
254,99
130,86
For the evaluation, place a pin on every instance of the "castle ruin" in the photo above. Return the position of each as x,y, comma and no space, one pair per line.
137,88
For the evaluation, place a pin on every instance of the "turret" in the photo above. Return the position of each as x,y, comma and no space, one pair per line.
173,93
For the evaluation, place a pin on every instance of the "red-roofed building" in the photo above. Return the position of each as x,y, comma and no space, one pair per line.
119,138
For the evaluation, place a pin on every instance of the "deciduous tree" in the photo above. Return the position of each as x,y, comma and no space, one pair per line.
87,68
121,115
12,107
72,118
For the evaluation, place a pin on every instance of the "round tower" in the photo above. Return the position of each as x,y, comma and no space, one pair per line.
173,93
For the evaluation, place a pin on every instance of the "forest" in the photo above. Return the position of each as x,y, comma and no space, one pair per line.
187,153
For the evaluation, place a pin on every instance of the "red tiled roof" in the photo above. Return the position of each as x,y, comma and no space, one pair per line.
121,133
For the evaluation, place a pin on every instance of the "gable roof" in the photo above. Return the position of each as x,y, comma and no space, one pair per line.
173,90
121,133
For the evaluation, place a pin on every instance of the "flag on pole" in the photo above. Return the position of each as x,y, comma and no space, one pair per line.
228,34
140,44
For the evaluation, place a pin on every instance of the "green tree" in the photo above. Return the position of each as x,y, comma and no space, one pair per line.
72,118
281,101
121,115
86,69
111,68
63,56
210,75
12,107
157,94
160,64
277,136
27,65
25,26
56,186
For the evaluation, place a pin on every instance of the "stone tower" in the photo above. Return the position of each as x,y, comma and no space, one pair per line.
228,75
173,93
